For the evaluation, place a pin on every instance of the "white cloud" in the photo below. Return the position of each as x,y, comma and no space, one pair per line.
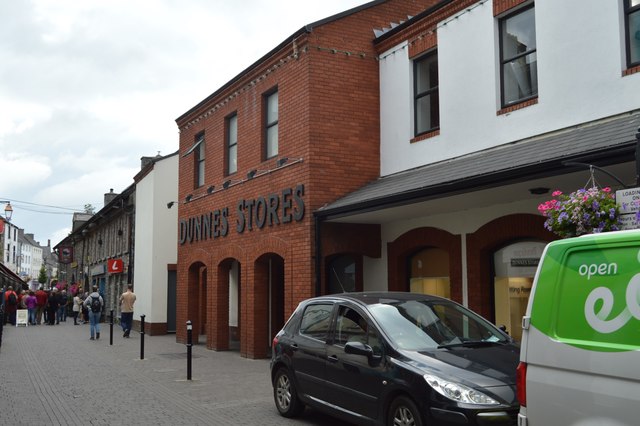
88,87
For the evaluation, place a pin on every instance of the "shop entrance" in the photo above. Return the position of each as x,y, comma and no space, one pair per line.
515,266
269,272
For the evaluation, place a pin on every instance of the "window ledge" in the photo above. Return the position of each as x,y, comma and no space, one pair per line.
424,136
631,70
518,106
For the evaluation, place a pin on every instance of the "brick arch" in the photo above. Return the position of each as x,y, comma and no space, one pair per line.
482,244
218,303
189,276
399,250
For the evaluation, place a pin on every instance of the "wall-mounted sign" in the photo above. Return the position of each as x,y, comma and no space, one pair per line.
525,261
628,201
274,209
97,269
115,266
65,254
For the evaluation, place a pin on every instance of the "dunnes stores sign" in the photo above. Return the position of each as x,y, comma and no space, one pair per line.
280,208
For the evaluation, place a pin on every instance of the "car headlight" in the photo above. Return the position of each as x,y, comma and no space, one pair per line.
458,392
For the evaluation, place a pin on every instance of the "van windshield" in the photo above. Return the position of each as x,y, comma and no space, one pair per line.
422,325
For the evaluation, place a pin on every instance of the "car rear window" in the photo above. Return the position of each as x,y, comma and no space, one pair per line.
316,320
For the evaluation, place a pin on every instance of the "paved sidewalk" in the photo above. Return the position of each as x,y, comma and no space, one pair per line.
55,375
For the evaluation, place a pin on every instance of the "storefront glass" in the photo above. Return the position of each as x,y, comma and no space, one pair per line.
430,272
515,267
342,274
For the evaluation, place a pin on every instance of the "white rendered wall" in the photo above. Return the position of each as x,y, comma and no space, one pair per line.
156,235
580,50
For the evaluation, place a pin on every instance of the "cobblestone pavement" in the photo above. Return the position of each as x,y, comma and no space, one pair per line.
55,375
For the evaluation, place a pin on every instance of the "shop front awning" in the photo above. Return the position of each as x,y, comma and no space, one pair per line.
601,143
9,278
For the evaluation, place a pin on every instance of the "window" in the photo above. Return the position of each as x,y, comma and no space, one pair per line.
518,59
232,144
426,99
352,327
341,274
632,18
199,161
316,320
271,125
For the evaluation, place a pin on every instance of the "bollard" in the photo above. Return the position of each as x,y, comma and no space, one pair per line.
189,345
111,329
1,321
141,336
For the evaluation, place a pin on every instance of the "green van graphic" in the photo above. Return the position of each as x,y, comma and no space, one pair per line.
588,293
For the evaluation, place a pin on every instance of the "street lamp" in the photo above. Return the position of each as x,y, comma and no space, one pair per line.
8,210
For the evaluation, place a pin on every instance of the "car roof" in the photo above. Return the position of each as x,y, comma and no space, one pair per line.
374,297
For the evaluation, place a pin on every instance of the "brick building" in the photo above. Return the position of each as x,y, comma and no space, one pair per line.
400,146
296,130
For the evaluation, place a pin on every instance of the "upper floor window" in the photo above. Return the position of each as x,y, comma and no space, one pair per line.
518,58
632,18
271,125
232,144
198,159
426,98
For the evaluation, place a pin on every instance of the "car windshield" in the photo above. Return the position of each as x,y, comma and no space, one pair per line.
427,325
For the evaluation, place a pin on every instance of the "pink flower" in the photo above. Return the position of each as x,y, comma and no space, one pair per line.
556,193
606,189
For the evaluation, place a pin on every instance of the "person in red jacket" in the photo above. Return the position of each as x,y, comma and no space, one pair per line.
41,303
10,305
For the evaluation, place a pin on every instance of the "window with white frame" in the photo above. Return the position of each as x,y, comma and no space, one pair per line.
632,21
518,57
271,125
199,158
426,97
232,144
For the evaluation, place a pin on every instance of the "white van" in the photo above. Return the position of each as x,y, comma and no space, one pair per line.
580,350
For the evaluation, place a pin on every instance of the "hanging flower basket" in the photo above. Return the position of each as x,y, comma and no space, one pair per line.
585,211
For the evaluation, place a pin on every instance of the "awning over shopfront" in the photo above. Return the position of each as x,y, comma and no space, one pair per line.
600,143
9,278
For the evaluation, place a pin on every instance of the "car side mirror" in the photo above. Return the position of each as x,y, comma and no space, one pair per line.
358,348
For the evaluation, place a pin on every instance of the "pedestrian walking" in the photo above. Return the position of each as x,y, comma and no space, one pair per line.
62,307
94,304
53,302
77,307
127,299
31,302
10,305
41,303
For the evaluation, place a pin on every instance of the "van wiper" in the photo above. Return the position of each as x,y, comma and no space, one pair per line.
472,344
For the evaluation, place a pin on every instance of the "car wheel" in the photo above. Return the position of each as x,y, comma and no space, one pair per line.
285,395
403,412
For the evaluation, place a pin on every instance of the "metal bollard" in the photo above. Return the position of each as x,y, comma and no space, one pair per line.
1,321
189,346
141,336
111,329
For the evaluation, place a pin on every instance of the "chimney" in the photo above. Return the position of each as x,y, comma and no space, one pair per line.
109,197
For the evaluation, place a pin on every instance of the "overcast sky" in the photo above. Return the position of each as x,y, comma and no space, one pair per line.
87,87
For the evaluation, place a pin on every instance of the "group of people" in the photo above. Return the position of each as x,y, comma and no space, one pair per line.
47,305
53,305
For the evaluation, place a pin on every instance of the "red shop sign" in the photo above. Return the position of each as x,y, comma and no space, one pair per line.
115,266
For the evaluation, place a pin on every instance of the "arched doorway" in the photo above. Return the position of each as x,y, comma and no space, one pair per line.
197,299
269,301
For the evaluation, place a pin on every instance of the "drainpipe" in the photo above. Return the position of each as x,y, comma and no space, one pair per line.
318,256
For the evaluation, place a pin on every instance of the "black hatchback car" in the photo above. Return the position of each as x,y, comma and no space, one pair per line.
395,359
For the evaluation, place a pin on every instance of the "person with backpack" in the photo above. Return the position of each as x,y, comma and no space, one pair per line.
10,305
94,304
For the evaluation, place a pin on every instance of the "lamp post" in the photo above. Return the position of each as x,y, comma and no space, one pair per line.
8,210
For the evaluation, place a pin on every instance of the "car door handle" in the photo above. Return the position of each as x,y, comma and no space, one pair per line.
294,347
332,358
